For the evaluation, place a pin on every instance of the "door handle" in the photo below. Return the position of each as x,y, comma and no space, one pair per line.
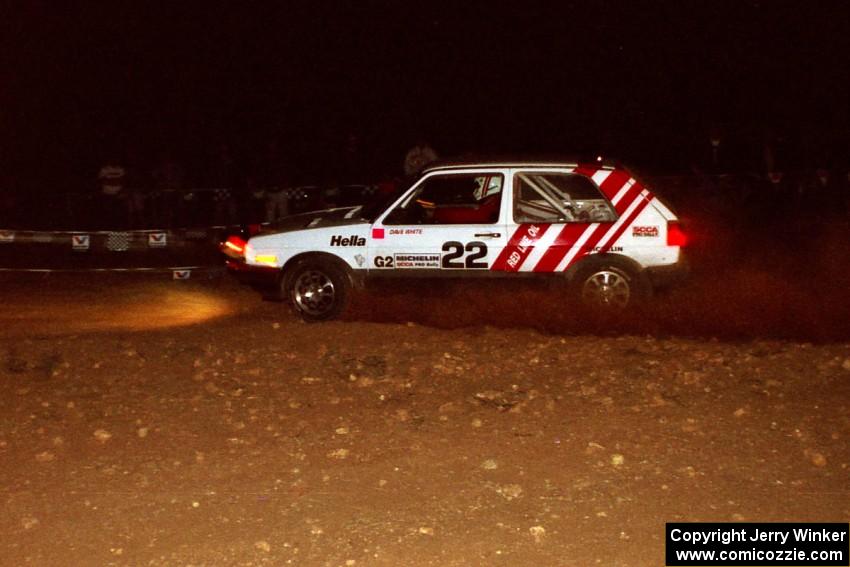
488,235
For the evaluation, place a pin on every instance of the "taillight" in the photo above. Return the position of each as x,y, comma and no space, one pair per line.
675,235
254,229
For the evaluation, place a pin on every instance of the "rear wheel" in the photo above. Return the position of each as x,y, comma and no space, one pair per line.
610,288
318,289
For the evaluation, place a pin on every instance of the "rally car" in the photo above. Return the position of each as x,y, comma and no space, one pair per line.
592,224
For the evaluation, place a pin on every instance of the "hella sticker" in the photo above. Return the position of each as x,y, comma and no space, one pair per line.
353,240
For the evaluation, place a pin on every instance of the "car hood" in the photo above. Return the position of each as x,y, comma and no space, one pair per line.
342,216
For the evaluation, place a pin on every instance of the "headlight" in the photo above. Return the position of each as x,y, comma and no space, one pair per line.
259,257
266,259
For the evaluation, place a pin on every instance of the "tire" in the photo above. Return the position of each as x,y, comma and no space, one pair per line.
318,289
610,288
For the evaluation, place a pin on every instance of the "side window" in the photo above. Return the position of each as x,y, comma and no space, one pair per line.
452,199
559,197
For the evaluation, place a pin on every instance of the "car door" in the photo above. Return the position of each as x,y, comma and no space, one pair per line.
448,223
559,216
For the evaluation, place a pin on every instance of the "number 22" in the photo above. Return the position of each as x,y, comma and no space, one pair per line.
454,251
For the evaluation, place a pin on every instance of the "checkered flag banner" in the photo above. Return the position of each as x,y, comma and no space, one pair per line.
118,241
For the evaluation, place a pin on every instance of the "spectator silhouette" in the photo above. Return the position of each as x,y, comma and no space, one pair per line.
137,188
112,195
254,198
168,176
353,166
221,177
276,182
420,155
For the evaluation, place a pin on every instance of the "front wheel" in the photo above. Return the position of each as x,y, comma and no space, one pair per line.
317,289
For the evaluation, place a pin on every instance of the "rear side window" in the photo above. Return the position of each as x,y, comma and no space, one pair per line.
559,197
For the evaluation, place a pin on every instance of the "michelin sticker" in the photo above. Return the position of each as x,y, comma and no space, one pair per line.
417,260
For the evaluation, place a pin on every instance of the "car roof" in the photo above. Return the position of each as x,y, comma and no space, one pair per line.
538,161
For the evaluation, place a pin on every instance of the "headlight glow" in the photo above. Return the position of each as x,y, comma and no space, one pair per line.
268,259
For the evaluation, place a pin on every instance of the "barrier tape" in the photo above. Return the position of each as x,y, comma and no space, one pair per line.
153,237
220,193
72,232
114,241
178,272
111,241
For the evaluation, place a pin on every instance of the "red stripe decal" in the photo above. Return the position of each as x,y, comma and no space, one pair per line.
629,198
569,234
589,244
613,183
634,193
613,240
586,169
562,244
519,247
499,263
573,232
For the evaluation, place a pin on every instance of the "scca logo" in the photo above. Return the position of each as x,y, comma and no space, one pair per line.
645,231
353,240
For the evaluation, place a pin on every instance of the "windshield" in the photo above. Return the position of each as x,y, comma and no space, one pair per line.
378,204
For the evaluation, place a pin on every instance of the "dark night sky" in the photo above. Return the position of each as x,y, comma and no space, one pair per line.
643,80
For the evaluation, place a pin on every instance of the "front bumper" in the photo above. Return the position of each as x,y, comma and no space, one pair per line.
255,276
